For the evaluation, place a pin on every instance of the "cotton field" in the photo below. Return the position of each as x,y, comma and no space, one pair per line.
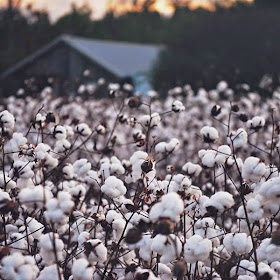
140,188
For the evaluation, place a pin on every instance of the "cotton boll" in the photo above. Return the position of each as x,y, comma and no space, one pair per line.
92,178
242,268
169,247
208,157
21,169
47,243
197,249
69,131
35,227
35,196
15,143
177,106
111,167
265,271
51,273
207,229
113,215
238,138
163,269
65,202
83,237
7,120
59,132
20,267
219,202
267,251
209,134
171,206
144,246
145,274
223,153
40,150
68,171
222,86
254,208
155,119
239,243
18,241
256,123
95,251
50,162
172,145
113,187
137,160
253,169
150,121
57,209
83,130
271,171
81,270
160,147
6,182
234,163
81,167
192,169
269,190
62,146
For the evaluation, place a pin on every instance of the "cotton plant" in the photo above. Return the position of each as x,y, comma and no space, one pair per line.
138,187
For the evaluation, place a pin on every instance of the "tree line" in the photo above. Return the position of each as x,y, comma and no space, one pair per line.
239,44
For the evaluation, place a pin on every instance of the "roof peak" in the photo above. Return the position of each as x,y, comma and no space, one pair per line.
118,57
66,36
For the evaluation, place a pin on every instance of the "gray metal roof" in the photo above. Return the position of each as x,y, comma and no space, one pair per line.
120,58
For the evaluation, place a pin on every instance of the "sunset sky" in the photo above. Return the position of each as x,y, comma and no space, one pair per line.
57,8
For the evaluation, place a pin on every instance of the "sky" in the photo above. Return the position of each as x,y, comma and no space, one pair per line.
58,8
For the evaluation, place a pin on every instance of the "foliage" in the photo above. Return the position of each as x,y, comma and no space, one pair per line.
203,47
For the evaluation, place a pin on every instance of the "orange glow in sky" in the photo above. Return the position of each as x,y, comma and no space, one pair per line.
57,8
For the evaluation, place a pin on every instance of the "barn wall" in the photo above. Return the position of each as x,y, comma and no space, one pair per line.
62,62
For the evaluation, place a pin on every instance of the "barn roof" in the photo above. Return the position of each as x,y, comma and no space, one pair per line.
120,58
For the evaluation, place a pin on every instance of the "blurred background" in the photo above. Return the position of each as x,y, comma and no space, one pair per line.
204,41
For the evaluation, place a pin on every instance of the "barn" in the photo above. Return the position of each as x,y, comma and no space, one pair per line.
65,59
